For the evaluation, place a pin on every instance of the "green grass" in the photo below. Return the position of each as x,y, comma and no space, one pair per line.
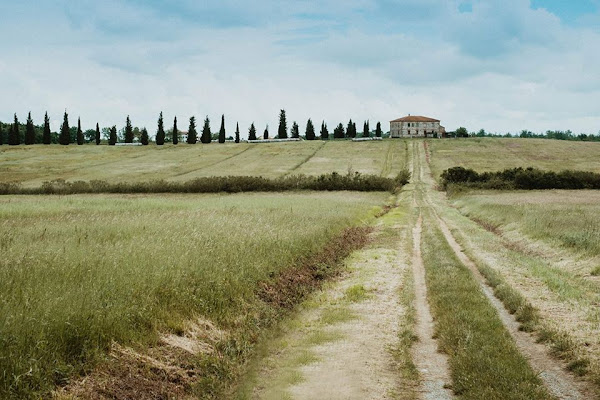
568,219
32,165
494,154
484,361
78,272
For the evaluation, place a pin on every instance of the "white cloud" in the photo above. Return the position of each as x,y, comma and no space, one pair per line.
500,66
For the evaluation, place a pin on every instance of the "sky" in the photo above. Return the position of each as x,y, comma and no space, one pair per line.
500,65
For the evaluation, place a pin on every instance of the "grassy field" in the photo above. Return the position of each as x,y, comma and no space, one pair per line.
78,272
493,154
484,361
563,218
33,165
539,250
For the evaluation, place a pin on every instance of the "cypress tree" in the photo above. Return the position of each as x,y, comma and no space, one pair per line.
222,130
252,132
206,134
13,133
282,130
366,132
79,132
266,133
192,137
295,130
378,130
97,134
175,132
112,139
29,131
351,129
324,131
310,130
65,135
160,133
237,132
144,137
46,139
1,135
338,132
128,131
14,137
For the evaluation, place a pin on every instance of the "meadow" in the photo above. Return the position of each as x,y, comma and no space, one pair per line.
32,165
80,272
494,154
563,218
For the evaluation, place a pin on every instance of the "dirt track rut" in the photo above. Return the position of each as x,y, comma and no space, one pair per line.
559,383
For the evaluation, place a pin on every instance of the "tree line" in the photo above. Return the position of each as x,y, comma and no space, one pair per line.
17,133
527,134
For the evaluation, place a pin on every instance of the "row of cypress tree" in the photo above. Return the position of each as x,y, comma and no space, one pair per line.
65,136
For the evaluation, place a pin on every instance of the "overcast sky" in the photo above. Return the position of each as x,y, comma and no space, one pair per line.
501,65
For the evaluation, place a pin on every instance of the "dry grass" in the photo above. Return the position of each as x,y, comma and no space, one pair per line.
494,154
32,165
79,272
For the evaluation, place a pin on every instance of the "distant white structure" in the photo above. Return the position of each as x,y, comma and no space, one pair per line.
416,126
274,140
364,139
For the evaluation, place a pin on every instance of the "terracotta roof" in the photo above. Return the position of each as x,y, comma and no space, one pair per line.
415,118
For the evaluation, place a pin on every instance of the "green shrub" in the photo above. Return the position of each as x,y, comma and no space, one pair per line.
520,178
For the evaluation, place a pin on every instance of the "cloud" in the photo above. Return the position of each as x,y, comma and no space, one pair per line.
492,64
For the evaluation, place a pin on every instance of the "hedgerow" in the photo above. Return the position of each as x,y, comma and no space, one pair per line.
228,184
520,179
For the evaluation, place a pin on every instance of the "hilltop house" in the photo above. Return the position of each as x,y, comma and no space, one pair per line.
416,126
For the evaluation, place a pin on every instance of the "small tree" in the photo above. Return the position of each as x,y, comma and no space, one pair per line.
338,132
310,130
79,132
97,134
252,132
128,131
349,129
1,135
175,132
462,132
324,131
144,139
366,132
378,131
160,133
192,137
222,130
206,135
14,137
112,139
46,136
282,130
65,136
266,133
29,131
237,132
295,130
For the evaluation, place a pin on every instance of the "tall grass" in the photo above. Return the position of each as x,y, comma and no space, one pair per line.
79,272
567,219
484,361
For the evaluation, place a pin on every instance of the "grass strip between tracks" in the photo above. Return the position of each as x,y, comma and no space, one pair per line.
484,360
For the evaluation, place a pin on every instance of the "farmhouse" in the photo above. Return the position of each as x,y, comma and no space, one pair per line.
416,126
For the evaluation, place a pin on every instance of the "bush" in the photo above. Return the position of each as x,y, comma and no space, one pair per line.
229,184
519,178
